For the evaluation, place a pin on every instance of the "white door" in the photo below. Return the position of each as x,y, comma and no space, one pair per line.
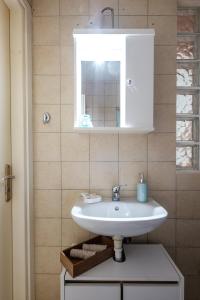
5,157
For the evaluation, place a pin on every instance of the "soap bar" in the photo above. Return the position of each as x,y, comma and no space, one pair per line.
80,253
94,247
91,198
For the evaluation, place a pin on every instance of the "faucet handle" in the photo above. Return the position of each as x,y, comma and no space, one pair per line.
116,188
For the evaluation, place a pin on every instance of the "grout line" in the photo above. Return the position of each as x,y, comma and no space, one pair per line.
118,15
106,161
118,162
60,130
91,15
89,162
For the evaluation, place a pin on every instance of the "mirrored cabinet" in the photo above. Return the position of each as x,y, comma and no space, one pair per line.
114,80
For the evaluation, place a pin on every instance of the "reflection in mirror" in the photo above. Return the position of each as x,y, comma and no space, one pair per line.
100,90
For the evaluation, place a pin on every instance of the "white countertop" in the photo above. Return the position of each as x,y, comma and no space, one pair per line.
144,263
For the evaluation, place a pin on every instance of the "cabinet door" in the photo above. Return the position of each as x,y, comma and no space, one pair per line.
151,292
92,291
139,82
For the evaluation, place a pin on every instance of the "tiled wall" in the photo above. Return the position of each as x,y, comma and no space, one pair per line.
66,163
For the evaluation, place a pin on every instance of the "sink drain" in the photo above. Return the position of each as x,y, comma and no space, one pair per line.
116,208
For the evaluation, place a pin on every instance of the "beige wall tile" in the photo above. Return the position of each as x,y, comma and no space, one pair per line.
132,22
72,233
188,181
47,203
46,147
67,118
162,7
47,175
48,232
164,234
46,89
106,194
74,7
172,252
132,7
132,147
45,8
54,123
128,193
47,260
192,284
45,30
162,147
165,118
165,29
167,199
103,175
47,287
188,204
186,3
69,197
75,147
165,60
75,175
129,173
142,239
188,260
46,60
162,176
104,147
67,89
95,7
165,89
67,60
68,24
187,234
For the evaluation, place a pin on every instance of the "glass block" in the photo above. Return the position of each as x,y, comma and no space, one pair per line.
187,157
184,130
187,74
187,47
188,20
187,130
187,102
184,157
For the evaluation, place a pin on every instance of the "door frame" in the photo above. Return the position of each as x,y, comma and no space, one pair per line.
21,137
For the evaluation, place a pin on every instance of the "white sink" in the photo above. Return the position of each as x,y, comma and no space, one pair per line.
123,218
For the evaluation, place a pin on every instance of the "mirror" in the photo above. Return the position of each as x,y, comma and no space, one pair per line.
100,92
114,80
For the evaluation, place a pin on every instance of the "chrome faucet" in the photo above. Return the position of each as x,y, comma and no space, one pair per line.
116,193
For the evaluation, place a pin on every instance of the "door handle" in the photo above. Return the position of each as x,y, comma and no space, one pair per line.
7,177
7,181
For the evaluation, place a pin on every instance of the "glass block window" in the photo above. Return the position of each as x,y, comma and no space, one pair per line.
188,89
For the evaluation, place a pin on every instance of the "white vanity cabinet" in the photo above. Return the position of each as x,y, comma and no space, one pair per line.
147,274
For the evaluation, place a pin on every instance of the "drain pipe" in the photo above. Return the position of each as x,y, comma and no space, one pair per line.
118,248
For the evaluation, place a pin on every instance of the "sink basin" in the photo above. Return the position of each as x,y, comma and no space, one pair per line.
124,218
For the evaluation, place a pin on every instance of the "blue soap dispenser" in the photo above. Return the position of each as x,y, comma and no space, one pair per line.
142,192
